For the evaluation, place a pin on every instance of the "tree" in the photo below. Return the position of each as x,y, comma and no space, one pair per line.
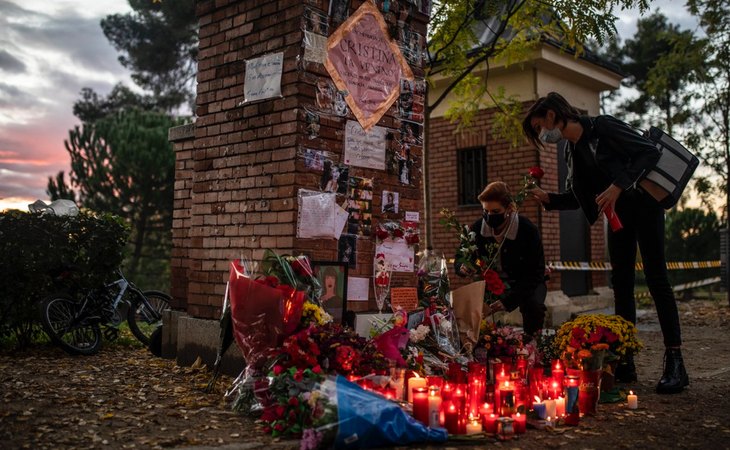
158,42
662,63
468,35
692,234
124,164
90,107
712,136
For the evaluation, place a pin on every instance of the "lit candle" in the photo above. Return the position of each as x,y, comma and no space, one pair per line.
451,418
633,400
556,389
415,382
539,407
397,379
507,399
560,407
520,423
550,407
421,405
473,427
490,423
558,372
549,421
447,391
434,406
485,409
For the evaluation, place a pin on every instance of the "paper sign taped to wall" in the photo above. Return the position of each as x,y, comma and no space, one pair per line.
263,77
405,298
358,289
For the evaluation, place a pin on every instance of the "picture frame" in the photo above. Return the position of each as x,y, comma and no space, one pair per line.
332,275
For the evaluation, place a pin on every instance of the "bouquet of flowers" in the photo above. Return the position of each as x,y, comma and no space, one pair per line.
503,342
433,280
594,334
471,260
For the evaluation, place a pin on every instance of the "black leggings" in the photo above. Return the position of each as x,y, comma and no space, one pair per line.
533,310
643,224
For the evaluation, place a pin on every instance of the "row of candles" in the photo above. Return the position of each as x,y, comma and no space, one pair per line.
468,404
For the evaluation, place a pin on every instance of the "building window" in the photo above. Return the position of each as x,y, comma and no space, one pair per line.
472,174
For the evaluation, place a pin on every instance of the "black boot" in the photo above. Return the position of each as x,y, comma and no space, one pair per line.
626,370
675,375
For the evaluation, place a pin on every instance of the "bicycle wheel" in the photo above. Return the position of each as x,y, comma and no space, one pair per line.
58,317
145,316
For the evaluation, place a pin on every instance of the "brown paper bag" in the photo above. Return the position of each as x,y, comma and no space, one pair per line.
468,302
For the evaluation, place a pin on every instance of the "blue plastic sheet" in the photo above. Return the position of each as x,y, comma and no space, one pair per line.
367,420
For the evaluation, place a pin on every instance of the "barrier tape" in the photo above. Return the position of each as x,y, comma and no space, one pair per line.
603,266
685,286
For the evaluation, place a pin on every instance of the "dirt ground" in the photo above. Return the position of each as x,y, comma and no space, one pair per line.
126,398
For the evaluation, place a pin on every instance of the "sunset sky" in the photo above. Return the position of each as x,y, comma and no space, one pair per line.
49,51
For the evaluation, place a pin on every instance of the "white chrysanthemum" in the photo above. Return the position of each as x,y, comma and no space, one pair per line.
419,333
326,317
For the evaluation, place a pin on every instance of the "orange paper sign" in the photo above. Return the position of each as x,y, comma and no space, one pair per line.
405,298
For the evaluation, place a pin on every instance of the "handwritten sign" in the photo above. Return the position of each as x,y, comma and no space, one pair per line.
364,148
263,77
412,216
397,253
404,297
364,61
314,47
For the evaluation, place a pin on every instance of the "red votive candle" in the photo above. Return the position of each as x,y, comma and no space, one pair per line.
420,405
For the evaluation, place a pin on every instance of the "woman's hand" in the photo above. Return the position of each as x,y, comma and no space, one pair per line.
494,308
540,195
607,199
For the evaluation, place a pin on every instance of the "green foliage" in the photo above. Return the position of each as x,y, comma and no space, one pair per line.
466,36
123,164
662,62
692,234
90,107
36,248
158,42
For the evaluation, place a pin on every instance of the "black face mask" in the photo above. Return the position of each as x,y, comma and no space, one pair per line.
494,220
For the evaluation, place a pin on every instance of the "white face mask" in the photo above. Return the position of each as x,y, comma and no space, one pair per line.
551,136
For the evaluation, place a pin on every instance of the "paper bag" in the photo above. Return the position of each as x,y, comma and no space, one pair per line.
468,303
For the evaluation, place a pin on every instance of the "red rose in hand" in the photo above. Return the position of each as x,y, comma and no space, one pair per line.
301,266
536,172
412,239
398,233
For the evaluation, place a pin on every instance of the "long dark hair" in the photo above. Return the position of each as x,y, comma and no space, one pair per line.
551,102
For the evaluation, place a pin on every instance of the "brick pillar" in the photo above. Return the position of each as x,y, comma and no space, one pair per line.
182,139
246,158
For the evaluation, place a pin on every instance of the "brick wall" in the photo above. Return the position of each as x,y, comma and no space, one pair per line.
182,139
237,181
503,164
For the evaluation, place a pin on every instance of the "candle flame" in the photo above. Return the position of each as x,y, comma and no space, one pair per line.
415,375
537,399
631,392
518,415
557,365
506,384
555,384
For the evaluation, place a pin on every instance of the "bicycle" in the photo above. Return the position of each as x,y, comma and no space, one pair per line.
74,322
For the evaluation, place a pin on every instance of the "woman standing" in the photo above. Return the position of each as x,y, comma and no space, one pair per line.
605,159
520,260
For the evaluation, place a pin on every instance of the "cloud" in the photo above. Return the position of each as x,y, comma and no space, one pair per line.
50,51
10,63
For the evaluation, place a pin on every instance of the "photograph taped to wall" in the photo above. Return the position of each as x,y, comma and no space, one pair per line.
347,250
411,133
390,202
334,177
410,100
314,159
332,276
339,10
359,205
315,21
312,119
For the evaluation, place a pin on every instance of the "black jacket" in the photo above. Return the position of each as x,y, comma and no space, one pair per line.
523,260
608,152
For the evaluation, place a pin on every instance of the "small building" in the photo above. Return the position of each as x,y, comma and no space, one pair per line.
460,163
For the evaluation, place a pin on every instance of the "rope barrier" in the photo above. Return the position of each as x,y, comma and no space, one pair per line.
604,266
684,286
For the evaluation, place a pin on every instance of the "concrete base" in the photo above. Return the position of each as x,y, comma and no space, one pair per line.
561,308
200,338
170,319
